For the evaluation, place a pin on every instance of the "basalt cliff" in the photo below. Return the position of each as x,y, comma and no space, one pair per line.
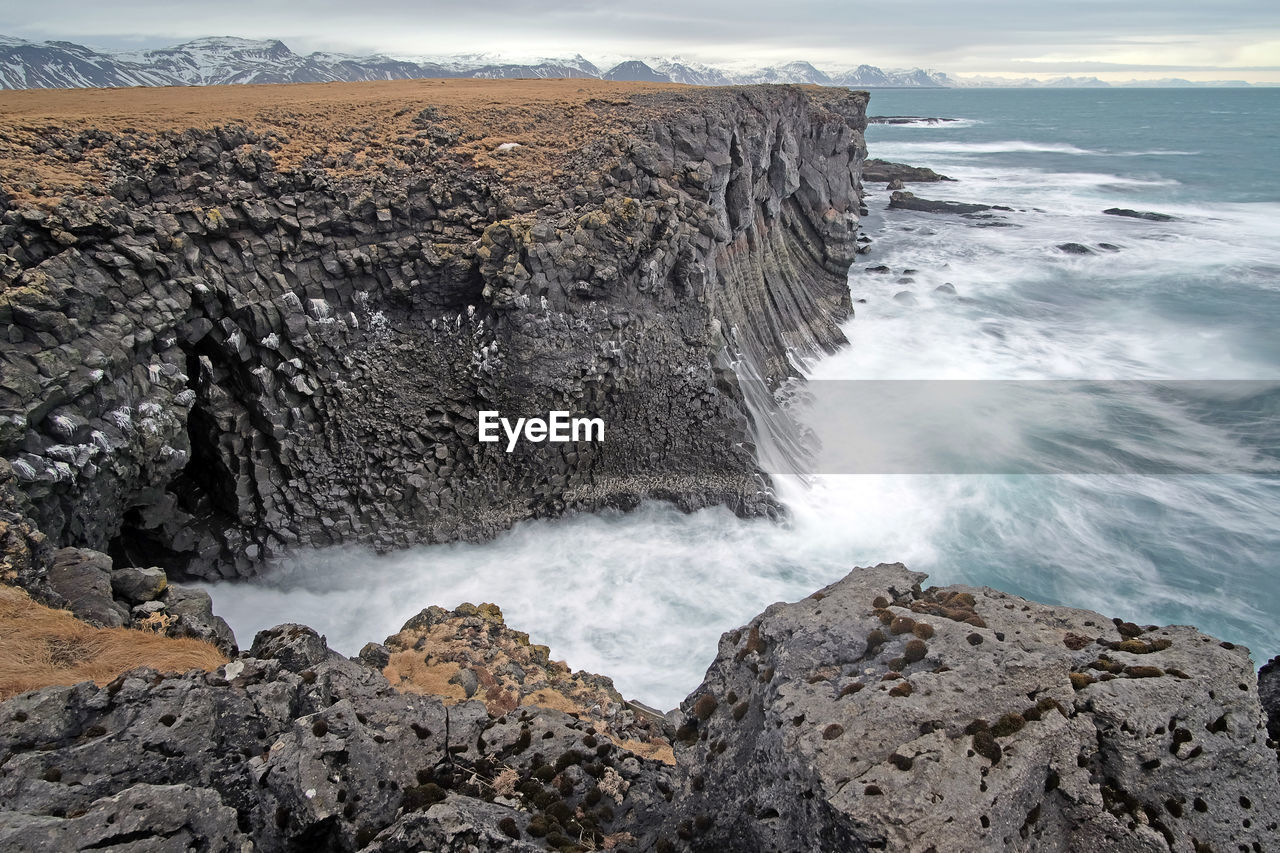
246,320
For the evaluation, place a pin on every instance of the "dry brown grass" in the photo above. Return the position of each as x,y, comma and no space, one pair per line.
409,672
353,127
659,750
40,647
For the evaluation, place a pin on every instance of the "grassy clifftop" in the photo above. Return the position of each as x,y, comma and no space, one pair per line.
54,142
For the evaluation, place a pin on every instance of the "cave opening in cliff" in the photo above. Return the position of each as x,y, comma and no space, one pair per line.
173,527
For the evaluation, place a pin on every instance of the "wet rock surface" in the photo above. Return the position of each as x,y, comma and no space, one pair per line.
1149,215
219,359
902,200
926,120
878,171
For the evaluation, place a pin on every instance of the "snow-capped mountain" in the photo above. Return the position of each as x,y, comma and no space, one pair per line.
633,70
224,60
214,61
693,73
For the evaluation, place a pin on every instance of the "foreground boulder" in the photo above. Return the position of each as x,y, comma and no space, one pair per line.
877,715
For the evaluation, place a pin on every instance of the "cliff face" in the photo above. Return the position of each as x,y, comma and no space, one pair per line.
222,346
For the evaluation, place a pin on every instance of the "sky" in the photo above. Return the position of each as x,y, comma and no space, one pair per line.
1109,39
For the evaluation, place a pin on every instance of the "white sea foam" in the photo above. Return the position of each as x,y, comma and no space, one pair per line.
974,149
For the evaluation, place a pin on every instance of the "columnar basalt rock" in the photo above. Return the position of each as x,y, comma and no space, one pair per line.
222,359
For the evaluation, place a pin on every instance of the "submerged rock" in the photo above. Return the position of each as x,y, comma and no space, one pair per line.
1139,214
901,200
908,120
877,171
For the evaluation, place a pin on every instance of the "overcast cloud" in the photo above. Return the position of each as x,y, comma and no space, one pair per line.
1110,38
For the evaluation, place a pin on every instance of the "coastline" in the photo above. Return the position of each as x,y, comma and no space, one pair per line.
873,700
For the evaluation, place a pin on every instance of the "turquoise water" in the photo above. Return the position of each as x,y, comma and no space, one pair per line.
1197,298
643,597
1219,145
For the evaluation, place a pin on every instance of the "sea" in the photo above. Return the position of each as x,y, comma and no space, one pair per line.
1096,428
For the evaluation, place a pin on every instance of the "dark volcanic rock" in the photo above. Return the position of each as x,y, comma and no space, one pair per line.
25,552
83,578
137,585
301,749
877,171
1269,695
221,360
141,817
901,200
191,613
1139,214
1074,249
907,120
877,715
873,714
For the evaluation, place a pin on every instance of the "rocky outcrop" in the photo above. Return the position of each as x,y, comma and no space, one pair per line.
883,171
1148,215
879,715
1269,695
293,747
470,653
25,552
902,200
92,588
222,357
875,714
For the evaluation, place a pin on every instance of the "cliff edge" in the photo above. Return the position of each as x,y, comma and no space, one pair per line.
252,319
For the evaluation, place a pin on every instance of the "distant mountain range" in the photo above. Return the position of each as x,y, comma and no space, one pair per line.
215,61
